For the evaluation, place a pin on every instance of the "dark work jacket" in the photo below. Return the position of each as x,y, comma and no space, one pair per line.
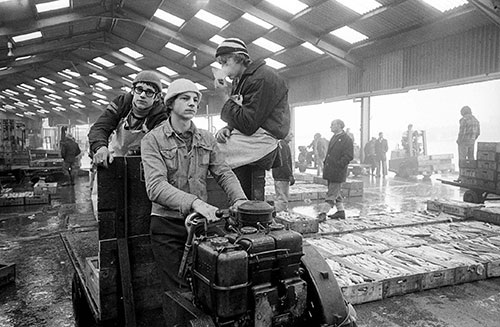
284,172
69,150
265,102
339,155
120,107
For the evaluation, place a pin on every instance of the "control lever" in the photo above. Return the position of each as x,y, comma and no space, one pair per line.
192,220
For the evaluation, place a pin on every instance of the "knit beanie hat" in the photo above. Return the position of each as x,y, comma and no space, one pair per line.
232,45
148,76
180,86
466,110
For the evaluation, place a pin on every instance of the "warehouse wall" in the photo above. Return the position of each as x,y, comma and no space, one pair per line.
466,55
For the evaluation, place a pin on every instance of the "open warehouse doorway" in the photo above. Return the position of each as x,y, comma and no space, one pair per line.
437,111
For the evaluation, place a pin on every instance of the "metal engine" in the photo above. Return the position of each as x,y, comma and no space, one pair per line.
254,272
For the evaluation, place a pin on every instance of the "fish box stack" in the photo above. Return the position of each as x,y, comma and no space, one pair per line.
483,172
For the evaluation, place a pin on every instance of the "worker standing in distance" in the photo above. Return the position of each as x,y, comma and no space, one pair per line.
177,157
467,135
127,118
381,148
283,176
256,112
339,155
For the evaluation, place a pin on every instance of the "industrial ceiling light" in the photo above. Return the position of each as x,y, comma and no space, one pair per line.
9,45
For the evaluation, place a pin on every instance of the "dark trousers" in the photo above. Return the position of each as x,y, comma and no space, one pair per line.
168,237
252,179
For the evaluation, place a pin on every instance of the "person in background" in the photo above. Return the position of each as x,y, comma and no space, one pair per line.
381,148
370,155
256,112
319,146
339,155
127,118
350,134
177,157
468,133
70,150
283,176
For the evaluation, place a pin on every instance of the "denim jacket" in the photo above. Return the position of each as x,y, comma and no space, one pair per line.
176,177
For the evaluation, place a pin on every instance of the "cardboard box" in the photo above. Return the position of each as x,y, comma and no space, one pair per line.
467,163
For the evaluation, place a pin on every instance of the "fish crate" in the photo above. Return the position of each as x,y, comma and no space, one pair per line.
356,286
488,146
91,271
37,199
467,164
12,199
45,188
452,207
487,165
7,273
486,155
297,222
489,215
493,269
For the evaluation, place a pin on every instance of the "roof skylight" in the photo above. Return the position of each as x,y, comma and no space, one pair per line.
131,53
70,72
27,36
217,39
73,86
360,6
349,35
169,18
211,18
104,62
77,91
445,5
167,71
133,67
176,48
98,77
23,58
98,95
291,6
268,45
46,80
200,87
274,64
312,48
46,89
257,21
103,86
52,5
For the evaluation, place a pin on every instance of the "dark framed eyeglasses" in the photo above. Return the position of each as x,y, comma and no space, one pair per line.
149,93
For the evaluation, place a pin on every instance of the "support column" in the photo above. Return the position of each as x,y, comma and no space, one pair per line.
365,125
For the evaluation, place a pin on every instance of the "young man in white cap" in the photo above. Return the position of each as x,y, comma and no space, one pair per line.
177,157
129,116
257,116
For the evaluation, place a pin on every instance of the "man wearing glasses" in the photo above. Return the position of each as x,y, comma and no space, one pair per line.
128,118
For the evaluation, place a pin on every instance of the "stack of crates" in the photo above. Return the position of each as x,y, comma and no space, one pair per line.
6,135
484,172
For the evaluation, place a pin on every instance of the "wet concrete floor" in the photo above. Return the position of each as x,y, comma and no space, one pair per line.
41,295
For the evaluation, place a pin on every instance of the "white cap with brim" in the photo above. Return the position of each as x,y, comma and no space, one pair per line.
180,86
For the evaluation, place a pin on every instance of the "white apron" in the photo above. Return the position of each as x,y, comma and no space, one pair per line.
124,140
240,149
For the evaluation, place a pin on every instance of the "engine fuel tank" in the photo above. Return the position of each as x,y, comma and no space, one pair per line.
220,277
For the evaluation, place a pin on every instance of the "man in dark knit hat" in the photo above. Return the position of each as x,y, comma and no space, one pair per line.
128,117
257,115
